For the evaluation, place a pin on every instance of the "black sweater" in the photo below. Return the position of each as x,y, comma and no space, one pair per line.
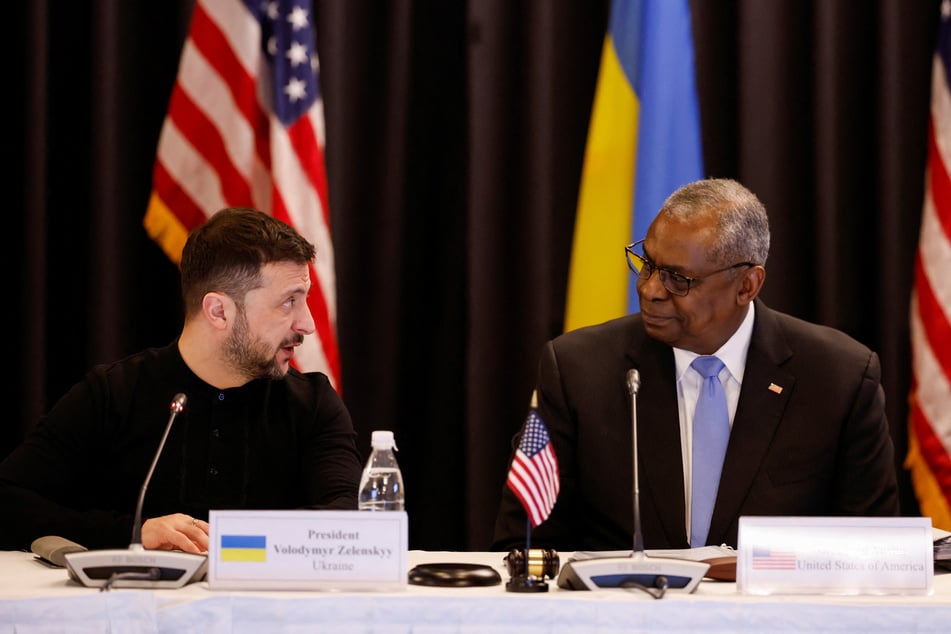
269,444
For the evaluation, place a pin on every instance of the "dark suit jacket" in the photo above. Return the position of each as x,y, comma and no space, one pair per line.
819,446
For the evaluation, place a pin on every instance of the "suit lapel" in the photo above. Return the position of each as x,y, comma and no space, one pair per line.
766,390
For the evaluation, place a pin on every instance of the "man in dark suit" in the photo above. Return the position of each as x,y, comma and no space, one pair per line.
807,428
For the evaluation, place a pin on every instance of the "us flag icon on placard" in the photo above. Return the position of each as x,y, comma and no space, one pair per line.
769,559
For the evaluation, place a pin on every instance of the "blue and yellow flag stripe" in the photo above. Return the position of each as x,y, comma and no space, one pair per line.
243,548
643,143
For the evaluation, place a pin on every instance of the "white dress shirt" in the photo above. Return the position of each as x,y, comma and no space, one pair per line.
689,381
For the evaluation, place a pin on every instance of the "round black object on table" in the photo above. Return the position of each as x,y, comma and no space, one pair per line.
454,575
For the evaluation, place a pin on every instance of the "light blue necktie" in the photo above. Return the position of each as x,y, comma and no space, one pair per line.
711,432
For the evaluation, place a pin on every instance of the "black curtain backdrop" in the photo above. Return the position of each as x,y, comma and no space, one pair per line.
455,140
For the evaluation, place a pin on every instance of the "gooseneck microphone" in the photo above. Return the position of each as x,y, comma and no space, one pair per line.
178,404
137,567
654,575
633,383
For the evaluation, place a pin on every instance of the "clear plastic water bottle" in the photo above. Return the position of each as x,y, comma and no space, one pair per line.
381,486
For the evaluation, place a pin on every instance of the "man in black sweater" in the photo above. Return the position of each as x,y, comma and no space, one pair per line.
255,434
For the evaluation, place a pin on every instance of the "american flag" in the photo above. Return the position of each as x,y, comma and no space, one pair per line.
769,559
245,127
929,444
534,473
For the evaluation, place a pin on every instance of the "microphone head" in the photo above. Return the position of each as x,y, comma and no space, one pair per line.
633,381
178,403
53,549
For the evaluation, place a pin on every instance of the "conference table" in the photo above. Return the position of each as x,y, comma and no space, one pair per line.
38,598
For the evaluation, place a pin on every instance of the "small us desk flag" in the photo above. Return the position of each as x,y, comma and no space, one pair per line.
534,473
245,128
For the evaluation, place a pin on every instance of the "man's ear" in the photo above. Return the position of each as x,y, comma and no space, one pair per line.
218,309
750,284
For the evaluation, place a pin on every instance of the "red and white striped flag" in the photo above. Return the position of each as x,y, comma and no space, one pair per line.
929,445
245,127
533,476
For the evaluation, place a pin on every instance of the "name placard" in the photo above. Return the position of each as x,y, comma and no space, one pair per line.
835,555
307,550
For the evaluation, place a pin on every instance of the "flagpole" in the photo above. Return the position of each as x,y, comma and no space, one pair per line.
534,478
533,405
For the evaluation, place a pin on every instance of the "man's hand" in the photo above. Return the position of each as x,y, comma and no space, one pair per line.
176,532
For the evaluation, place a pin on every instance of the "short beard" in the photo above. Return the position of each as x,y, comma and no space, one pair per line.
253,357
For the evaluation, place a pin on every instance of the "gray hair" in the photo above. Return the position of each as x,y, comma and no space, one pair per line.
741,218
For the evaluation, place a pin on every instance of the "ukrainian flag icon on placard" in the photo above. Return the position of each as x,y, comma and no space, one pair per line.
243,548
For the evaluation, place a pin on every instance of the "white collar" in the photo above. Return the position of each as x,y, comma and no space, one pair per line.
732,353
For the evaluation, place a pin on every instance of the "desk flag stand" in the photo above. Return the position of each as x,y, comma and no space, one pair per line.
533,478
529,568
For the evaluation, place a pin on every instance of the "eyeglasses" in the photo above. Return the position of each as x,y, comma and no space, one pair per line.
675,283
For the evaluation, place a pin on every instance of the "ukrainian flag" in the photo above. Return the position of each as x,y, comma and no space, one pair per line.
243,548
643,143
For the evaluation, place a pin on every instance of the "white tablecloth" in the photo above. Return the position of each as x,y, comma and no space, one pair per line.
34,598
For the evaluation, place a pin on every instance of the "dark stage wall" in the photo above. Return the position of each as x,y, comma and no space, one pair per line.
455,138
